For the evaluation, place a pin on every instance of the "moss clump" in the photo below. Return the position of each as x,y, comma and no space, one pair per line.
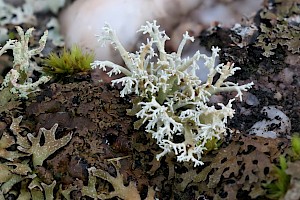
287,178
68,63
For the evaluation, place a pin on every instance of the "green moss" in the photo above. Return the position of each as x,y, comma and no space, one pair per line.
279,188
296,147
68,63
213,144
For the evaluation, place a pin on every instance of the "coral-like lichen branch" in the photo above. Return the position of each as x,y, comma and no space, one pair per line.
173,101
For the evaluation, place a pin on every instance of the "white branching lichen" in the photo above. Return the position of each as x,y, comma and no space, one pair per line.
19,78
173,101
25,11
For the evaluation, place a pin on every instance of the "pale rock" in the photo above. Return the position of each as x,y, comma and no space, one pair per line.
84,19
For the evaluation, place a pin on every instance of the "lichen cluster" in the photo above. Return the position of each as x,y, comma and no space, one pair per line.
94,151
280,27
25,13
18,82
17,13
236,171
19,166
173,102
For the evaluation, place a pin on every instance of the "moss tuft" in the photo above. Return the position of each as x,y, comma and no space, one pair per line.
68,63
